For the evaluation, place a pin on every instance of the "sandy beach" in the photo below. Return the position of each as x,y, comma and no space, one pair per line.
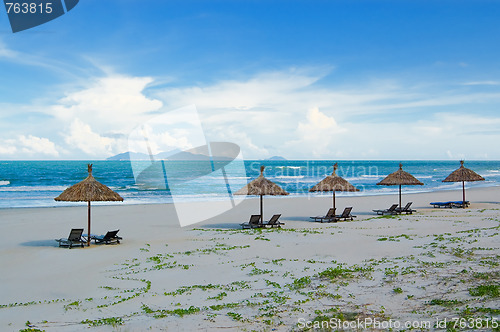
420,271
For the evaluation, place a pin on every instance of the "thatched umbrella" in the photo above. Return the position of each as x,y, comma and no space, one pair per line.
88,190
333,183
461,175
261,186
400,178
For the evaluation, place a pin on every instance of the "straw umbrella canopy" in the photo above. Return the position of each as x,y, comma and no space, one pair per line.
333,183
88,190
400,178
463,174
261,186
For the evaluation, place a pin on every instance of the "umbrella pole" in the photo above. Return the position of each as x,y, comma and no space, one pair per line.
261,211
88,235
399,197
334,202
463,189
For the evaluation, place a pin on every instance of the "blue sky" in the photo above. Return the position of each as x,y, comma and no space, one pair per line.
301,79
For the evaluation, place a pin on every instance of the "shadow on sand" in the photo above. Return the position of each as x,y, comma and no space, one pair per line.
41,243
224,226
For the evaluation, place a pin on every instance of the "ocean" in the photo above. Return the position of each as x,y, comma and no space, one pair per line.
36,183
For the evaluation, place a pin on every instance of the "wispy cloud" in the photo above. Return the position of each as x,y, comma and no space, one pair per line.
5,52
72,69
482,83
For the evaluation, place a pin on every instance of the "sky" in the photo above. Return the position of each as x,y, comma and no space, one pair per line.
329,79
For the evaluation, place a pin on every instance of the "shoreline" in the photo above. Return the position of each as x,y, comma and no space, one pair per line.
292,195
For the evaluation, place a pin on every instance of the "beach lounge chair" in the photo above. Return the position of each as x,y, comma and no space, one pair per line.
254,222
330,216
109,238
406,209
441,204
346,214
460,204
75,238
273,222
391,210
450,204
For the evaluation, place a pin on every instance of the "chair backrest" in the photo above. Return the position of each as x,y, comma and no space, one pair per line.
407,207
331,212
75,234
347,212
393,207
254,219
111,234
274,219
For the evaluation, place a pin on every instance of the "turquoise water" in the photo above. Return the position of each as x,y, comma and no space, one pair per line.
36,183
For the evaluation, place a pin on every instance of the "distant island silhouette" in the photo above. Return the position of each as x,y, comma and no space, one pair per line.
276,158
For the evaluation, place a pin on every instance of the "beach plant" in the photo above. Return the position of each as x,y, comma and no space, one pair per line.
162,313
486,275
397,290
189,289
490,290
148,246
218,297
113,321
446,303
257,271
72,305
299,283
136,292
272,283
218,307
336,273
235,316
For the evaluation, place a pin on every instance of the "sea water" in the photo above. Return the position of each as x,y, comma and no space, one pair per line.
37,183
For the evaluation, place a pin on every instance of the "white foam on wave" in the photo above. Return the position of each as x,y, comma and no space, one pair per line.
363,177
32,188
492,174
291,167
4,183
288,177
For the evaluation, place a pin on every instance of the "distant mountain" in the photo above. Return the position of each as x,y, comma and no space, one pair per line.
276,158
165,155
184,155
128,155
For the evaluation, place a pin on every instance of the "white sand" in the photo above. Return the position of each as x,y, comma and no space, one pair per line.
387,268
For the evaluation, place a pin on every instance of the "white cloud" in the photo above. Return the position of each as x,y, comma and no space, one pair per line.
318,122
32,144
234,135
28,146
110,104
319,133
99,117
82,137
148,139
265,90
8,147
